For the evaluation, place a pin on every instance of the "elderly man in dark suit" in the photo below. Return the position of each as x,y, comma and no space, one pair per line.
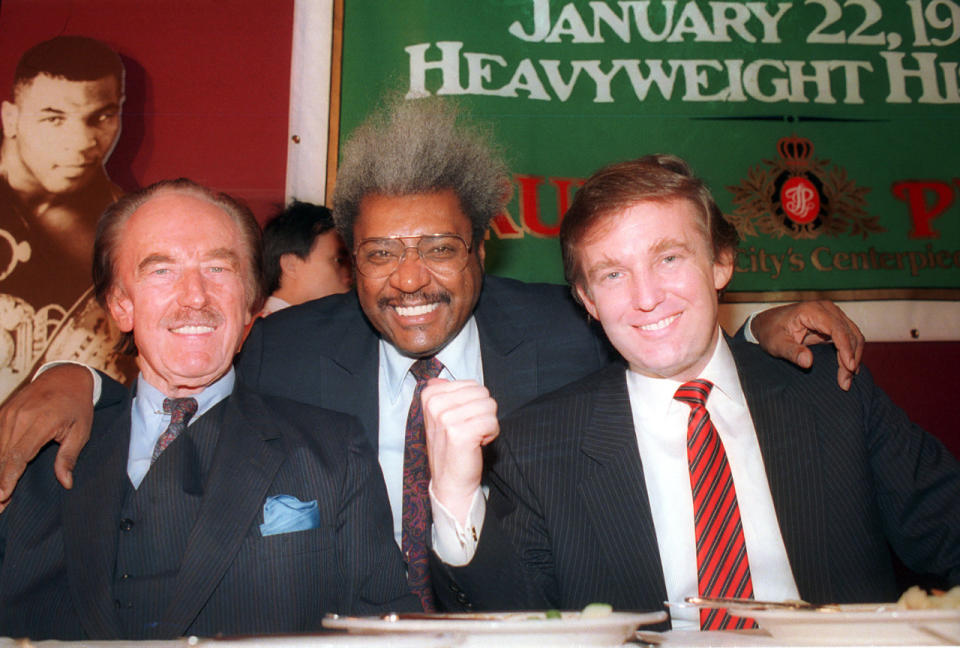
705,467
416,190
258,517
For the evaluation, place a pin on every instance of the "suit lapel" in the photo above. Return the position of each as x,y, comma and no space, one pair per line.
91,511
615,495
787,435
352,387
509,360
247,460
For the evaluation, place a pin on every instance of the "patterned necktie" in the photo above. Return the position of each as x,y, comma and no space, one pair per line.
722,565
180,411
416,480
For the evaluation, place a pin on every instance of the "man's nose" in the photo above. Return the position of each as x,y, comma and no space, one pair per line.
647,291
411,274
79,136
192,289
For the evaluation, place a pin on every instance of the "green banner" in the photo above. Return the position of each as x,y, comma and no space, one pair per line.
829,130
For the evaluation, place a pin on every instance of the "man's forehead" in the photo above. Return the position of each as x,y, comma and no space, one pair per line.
46,91
414,214
660,224
667,209
157,238
163,212
329,239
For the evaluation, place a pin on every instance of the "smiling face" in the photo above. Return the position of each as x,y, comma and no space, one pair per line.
415,309
652,282
60,132
181,286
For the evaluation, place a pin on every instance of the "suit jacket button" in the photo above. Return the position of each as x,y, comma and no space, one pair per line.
462,598
126,524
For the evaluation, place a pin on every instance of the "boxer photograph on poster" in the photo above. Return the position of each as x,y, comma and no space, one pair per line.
60,122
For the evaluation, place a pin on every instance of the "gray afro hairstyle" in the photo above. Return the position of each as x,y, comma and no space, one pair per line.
416,147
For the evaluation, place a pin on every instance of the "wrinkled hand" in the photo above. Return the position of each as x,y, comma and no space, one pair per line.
786,331
460,417
57,406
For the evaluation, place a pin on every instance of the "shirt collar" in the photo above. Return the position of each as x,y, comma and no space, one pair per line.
657,393
722,372
149,399
460,358
273,304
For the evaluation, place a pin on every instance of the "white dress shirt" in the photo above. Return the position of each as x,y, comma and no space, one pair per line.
461,361
148,420
661,426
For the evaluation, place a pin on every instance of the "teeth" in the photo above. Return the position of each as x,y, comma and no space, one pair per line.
193,330
413,311
656,326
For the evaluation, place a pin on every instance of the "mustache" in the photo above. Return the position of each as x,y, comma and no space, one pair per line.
206,316
413,299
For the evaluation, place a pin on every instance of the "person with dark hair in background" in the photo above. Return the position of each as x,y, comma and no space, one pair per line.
416,189
60,125
303,257
199,507
705,467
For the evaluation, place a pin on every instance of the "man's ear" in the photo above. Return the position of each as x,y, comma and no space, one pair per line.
289,264
587,301
121,309
481,252
9,112
723,268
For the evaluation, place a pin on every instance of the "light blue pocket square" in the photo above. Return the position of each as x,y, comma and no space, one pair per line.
285,513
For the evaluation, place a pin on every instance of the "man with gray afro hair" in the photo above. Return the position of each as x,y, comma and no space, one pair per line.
414,147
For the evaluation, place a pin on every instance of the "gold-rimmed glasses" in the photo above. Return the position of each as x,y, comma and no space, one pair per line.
442,253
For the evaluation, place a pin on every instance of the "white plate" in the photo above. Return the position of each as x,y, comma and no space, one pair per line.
511,628
859,624
325,640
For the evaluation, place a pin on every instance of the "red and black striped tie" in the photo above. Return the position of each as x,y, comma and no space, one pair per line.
722,565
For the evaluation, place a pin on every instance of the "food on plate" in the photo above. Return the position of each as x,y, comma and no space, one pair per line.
596,611
916,598
592,611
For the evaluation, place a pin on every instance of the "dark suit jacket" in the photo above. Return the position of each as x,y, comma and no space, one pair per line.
59,548
533,339
568,520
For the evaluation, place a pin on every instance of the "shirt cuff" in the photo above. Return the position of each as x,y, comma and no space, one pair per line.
97,381
454,543
748,328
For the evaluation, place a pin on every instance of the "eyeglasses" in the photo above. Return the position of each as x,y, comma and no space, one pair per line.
441,253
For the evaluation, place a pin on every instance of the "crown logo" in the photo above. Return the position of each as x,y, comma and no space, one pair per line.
795,151
800,196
